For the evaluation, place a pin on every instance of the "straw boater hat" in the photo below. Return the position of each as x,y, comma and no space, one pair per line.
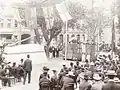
54,71
70,74
92,64
117,80
46,68
86,76
118,65
97,77
111,72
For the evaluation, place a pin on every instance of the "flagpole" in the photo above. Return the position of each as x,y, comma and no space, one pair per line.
66,40
113,39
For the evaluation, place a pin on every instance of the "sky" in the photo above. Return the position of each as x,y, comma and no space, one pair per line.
100,3
103,3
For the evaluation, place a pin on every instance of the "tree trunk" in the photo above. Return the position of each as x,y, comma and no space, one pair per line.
47,50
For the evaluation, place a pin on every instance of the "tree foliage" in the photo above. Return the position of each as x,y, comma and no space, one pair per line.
91,21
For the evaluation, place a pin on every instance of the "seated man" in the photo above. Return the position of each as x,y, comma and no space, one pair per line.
20,72
4,78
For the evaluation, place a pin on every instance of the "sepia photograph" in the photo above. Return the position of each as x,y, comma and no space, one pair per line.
59,44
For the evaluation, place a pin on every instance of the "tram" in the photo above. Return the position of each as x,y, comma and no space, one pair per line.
74,50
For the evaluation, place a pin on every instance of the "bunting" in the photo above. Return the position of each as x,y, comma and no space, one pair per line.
48,13
33,17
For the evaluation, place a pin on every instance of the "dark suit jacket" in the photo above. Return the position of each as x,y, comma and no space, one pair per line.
111,86
27,65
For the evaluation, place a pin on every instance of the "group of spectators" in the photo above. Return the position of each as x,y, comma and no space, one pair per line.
54,51
15,71
94,75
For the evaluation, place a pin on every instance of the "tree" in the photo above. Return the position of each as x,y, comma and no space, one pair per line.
77,12
54,30
51,33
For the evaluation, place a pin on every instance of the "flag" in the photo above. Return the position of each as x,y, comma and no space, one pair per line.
33,17
27,16
63,12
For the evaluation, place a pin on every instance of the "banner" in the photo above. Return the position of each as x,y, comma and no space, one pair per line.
63,12
20,16
17,16
21,13
48,13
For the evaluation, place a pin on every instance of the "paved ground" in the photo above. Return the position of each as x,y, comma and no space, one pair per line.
37,69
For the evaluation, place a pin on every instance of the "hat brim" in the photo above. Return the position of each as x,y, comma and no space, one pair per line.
111,74
70,75
97,78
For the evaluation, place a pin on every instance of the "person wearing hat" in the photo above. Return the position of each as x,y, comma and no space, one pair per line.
45,71
14,70
111,85
21,62
98,83
113,66
44,82
118,71
85,84
92,69
64,68
78,65
71,68
86,63
4,78
54,80
68,81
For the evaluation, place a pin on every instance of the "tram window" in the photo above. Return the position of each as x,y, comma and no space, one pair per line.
8,37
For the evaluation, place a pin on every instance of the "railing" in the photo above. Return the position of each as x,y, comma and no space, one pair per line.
20,41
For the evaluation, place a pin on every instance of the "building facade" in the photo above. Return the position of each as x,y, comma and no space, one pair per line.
12,30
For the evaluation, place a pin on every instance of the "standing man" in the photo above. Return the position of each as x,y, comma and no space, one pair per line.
54,81
28,68
21,62
68,81
111,85
85,84
57,51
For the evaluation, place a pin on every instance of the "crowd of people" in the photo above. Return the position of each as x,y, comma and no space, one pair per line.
54,51
15,71
99,74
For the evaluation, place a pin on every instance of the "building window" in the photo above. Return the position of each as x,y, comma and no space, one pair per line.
9,23
78,38
16,23
1,23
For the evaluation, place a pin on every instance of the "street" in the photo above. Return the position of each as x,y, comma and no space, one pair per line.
37,69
